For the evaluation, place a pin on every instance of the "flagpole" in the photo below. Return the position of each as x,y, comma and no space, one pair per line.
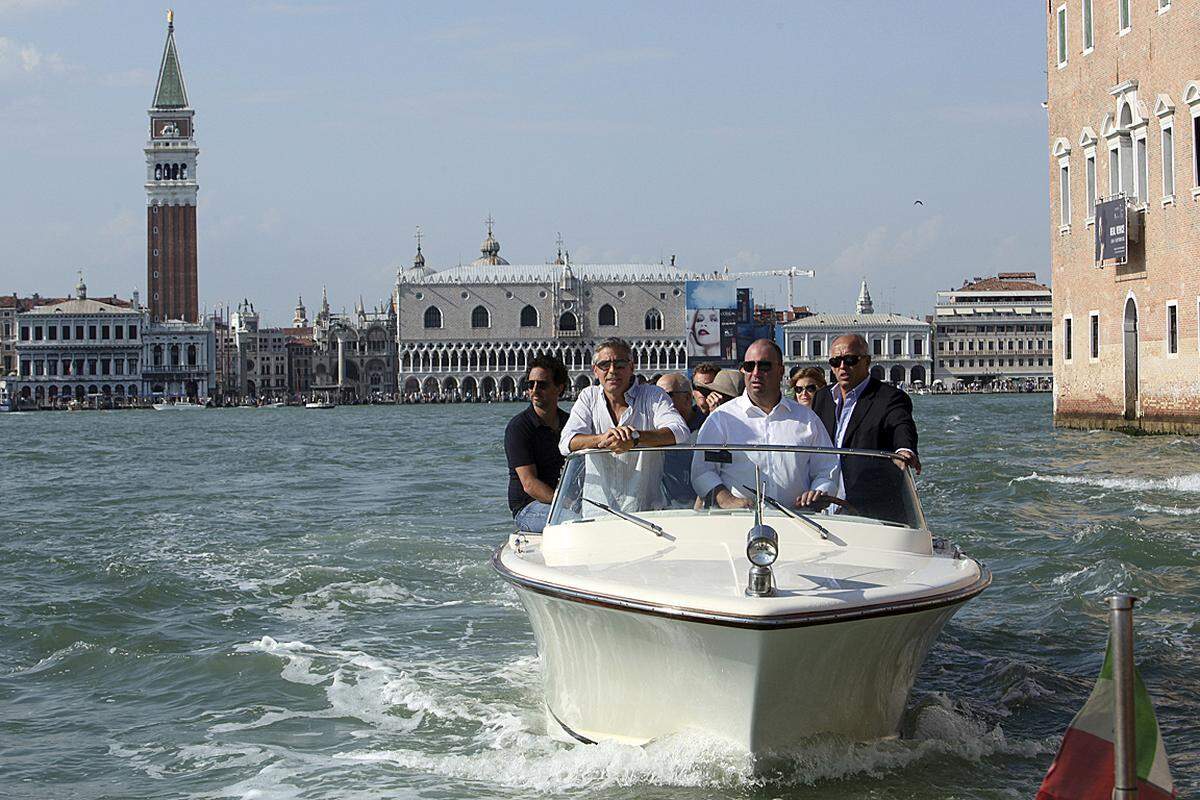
1124,741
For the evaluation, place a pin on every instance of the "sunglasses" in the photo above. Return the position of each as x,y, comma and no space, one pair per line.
849,361
762,366
534,383
614,363
808,389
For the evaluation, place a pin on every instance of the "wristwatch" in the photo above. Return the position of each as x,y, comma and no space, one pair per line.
636,435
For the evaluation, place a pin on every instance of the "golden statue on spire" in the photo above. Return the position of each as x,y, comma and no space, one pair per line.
170,16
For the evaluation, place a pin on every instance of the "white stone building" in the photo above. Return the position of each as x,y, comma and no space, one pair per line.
995,330
900,346
79,349
471,330
178,359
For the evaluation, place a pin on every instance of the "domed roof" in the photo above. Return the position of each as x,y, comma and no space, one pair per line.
489,251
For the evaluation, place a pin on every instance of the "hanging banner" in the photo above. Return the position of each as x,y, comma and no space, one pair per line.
711,308
1112,232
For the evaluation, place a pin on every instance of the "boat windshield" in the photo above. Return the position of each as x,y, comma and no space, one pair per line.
648,481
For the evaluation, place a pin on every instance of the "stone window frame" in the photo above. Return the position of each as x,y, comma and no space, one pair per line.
1094,336
1191,98
476,317
1124,8
1068,334
1087,26
537,318
1062,152
1060,35
600,321
1167,332
1091,179
441,318
1164,109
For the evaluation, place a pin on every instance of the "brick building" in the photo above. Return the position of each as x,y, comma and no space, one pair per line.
1124,122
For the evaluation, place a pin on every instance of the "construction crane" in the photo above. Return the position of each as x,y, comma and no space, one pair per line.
790,273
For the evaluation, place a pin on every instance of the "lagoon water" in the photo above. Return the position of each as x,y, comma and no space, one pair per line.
282,603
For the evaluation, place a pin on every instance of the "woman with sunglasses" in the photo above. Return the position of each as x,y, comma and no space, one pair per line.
806,383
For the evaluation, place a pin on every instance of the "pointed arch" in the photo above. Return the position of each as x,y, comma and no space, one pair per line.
529,317
481,317
433,317
654,320
607,317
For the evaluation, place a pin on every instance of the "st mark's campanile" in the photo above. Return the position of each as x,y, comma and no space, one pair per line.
171,195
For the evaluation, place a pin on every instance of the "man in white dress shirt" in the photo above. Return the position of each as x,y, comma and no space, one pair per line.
762,415
619,415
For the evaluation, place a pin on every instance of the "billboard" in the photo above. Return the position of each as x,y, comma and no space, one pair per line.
720,323
1112,229
711,309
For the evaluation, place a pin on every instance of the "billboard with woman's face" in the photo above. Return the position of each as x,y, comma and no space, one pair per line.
711,311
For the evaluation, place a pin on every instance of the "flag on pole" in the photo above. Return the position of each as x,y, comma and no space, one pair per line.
1083,768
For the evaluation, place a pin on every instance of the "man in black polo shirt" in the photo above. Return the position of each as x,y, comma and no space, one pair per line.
531,445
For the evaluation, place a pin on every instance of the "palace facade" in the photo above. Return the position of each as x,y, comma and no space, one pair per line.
471,330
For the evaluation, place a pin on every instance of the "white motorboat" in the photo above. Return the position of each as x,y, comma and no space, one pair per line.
651,619
319,404
178,405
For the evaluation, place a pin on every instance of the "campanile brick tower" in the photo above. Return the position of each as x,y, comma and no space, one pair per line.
171,195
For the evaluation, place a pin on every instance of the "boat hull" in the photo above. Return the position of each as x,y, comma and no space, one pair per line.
616,674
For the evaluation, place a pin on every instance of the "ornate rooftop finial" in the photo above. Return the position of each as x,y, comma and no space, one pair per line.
170,19
170,91
419,259
81,287
864,305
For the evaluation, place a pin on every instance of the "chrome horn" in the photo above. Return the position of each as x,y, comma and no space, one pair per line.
762,548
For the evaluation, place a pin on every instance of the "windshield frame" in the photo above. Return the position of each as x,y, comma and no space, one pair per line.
775,448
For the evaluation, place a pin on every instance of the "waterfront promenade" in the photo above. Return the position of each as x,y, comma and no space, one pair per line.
286,607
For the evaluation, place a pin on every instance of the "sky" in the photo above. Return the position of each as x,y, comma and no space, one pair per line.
752,136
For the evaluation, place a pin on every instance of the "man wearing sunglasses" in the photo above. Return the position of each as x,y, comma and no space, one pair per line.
619,414
762,415
531,445
862,413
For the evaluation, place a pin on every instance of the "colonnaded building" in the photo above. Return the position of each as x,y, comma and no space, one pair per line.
1124,125
899,345
473,329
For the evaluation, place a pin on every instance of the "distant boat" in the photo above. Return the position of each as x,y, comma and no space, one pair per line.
276,404
319,404
182,405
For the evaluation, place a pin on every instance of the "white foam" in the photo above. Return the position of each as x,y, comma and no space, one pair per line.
1174,511
1178,483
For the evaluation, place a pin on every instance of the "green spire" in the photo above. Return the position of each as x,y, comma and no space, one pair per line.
170,92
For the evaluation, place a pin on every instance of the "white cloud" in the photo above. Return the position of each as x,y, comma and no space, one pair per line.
24,57
880,247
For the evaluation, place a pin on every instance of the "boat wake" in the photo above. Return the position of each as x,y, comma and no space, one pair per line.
483,723
1178,483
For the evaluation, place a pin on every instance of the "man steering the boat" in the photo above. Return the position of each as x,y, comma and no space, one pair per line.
762,415
620,415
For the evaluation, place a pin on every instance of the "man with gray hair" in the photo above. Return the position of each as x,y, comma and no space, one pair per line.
619,415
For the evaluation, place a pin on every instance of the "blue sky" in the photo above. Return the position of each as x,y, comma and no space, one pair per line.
753,135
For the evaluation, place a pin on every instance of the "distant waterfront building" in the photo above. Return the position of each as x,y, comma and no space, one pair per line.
171,190
899,345
79,348
994,330
179,359
1124,124
261,366
472,330
354,355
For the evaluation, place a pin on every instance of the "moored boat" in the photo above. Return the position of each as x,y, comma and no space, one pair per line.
655,612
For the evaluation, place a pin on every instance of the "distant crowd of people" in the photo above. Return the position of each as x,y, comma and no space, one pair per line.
746,406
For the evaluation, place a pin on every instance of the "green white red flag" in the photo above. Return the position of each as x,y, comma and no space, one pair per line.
1083,768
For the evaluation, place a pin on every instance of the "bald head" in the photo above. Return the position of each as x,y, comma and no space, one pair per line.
850,343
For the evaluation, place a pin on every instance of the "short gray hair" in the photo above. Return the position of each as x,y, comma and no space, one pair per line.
614,343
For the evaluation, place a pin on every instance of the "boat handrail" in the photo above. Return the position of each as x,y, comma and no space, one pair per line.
772,448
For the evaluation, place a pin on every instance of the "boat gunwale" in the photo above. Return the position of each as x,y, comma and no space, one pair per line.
781,621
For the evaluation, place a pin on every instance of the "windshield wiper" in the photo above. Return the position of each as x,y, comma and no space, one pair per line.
787,512
636,520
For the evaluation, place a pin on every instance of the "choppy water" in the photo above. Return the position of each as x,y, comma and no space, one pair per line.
296,604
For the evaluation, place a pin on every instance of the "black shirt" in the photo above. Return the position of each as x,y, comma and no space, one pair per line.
528,440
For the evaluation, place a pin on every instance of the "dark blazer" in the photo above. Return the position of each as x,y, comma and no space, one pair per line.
882,420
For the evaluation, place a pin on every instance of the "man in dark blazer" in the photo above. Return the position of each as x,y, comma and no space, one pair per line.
862,413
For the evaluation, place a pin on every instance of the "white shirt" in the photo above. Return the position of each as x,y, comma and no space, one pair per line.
631,481
785,475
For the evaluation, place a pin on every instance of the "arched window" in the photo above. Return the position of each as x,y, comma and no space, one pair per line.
654,320
608,315
191,355
568,322
480,318
433,317
529,317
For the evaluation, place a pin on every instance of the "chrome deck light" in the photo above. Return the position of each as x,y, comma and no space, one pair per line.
762,548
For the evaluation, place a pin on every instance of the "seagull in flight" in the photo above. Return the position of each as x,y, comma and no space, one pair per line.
918,202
